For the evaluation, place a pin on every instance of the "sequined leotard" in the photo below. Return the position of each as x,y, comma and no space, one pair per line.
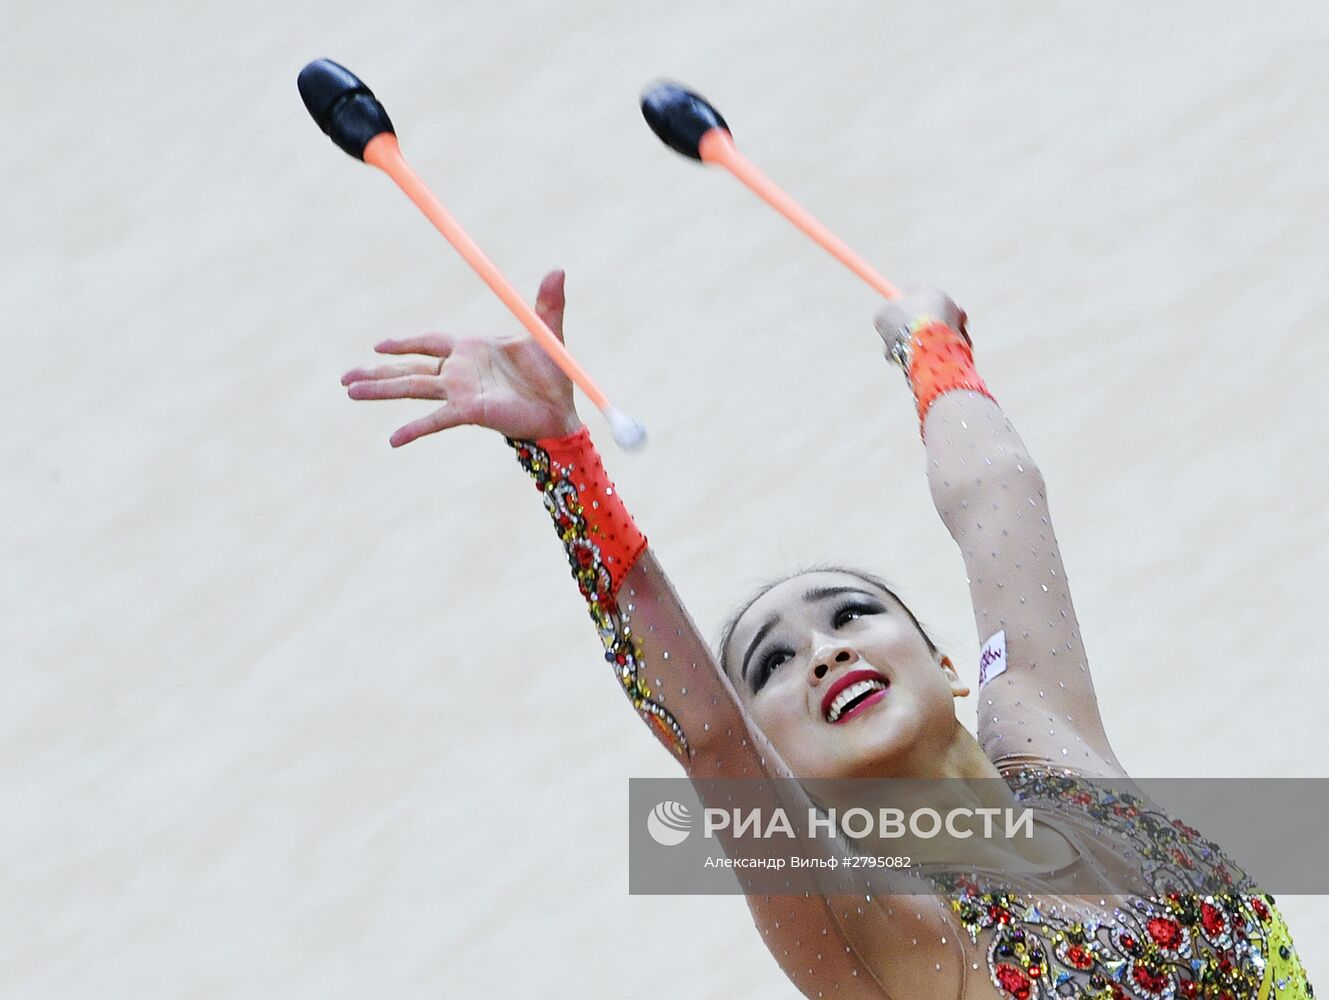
1038,722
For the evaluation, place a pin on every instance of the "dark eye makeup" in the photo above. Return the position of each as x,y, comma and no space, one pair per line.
853,610
766,665
842,615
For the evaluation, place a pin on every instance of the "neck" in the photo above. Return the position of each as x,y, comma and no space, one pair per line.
958,757
949,777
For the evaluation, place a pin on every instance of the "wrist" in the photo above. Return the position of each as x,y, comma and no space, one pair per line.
602,545
568,424
938,360
601,539
900,351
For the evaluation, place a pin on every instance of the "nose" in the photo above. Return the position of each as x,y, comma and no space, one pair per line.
828,657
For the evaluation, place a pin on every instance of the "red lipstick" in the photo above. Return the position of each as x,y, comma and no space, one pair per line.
844,681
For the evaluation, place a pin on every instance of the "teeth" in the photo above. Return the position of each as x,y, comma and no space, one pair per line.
853,691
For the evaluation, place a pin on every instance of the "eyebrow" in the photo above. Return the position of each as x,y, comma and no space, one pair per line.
771,622
815,594
821,593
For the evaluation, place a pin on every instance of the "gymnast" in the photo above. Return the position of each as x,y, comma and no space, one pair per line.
827,674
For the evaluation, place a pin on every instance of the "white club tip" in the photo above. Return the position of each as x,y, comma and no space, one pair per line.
627,432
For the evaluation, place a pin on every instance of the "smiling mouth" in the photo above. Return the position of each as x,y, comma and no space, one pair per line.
856,691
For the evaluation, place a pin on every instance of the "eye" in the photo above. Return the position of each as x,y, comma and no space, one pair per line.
767,665
854,610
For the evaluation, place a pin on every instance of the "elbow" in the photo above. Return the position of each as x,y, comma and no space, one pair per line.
962,491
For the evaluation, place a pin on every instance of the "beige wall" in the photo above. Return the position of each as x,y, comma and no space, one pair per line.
288,714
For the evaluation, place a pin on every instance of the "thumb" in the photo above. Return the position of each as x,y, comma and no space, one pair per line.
549,302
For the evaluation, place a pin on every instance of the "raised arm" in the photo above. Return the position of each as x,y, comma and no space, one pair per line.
513,387
842,942
649,640
1036,696
853,946
674,683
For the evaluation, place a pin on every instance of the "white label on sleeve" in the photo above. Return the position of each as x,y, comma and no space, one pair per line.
992,661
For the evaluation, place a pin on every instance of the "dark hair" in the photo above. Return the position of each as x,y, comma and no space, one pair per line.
728,631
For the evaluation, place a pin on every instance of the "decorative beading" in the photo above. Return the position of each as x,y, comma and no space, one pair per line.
1208,933
602,544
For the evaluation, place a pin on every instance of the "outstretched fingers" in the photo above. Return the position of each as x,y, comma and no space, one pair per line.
440,420
405,387
437,345
390,371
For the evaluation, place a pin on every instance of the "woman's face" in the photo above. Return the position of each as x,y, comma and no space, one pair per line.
840,680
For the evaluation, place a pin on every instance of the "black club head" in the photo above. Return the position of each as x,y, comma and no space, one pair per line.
679,117
342,105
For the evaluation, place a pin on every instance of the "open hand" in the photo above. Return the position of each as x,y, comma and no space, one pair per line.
509,385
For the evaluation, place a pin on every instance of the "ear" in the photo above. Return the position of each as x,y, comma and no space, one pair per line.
958,687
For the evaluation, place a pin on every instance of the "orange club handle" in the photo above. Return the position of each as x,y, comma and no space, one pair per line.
353,118
383,152
717,146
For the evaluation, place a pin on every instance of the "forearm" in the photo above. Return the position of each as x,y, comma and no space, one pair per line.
993,501
658,657
673,681
991,496
682,675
